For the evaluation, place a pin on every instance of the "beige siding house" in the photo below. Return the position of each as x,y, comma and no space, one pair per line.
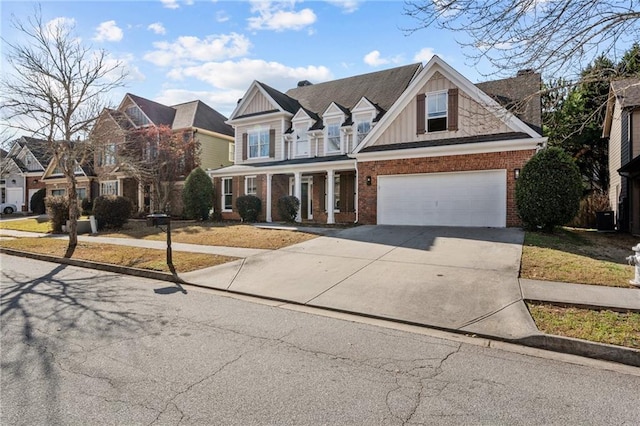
413,145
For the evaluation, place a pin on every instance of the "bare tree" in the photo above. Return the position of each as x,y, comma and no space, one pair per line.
545,35
55,90
158,157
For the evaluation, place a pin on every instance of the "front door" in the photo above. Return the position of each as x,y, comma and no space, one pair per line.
306,197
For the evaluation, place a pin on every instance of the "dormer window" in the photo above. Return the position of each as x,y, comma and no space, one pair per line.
302,142
333,137
362,129
436,112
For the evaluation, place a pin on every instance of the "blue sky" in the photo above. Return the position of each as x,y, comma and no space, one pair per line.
181,50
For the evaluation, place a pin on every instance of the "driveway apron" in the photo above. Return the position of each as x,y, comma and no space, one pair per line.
454,278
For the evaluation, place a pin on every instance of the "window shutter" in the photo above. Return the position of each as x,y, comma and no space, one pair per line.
244,146
347,190
272,143
452,109
421,112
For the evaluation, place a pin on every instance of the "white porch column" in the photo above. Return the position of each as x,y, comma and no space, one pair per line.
140,197
268,218
330,196
297,192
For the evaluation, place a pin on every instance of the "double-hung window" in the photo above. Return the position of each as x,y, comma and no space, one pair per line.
258,143
302,142
109,187
227,194
436,112
333,137
362,129
250,185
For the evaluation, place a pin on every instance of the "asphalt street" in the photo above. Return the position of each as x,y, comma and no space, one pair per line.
85,347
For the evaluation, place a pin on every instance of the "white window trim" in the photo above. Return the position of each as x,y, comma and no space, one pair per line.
105,182
336,192
446,110
246,185
258,131
301,129
357,121
224,194
326,138
232,151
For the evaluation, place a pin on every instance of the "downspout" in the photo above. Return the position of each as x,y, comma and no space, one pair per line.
25,197
357,203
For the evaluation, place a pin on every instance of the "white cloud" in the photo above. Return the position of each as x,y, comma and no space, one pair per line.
347,6
279,16
192,49
424,54
59,24
238,75
221,16
170,4
373,58
126,66
157,28
108,31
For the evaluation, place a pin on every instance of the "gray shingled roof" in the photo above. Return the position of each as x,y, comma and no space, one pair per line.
198,114
157,113
627,91
38,148
520,95
448,141
382,88
286,102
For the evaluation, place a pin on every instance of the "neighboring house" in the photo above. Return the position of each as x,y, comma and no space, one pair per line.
86,181
411,145
192,119
21,171
622,127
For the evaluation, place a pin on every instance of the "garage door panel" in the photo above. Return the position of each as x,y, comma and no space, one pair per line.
443,199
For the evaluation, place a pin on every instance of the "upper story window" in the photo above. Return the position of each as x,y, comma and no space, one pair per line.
302,143
136,115
333,137
436,112
109,154
258,143
362,129
232,152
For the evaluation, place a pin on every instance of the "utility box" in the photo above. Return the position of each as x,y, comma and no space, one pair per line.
158,219
605,221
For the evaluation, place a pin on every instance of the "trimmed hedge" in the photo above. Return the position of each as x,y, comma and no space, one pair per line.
549,190
288,206
58,211
112,211
37,201
249,207
197,195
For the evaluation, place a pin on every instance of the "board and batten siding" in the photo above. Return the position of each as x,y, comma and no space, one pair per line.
615,151
473,118
214,152
634,135
272,124
257,103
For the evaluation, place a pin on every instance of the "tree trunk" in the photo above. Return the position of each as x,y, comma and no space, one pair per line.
72,229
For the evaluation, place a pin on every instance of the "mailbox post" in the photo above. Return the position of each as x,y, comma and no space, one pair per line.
158,220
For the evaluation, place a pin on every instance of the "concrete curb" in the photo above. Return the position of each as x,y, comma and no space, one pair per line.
601,351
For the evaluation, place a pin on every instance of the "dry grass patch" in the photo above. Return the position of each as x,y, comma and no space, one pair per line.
578,256
136,257
602,326
28,225
213,234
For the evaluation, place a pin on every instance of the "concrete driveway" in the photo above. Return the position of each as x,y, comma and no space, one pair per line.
454,278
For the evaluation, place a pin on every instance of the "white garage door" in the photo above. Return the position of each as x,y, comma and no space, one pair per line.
444,199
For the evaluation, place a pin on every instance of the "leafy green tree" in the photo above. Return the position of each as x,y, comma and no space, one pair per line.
197,195
548,190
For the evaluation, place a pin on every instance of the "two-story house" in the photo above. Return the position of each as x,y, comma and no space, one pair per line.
410,145
21,171
191,120
622,127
